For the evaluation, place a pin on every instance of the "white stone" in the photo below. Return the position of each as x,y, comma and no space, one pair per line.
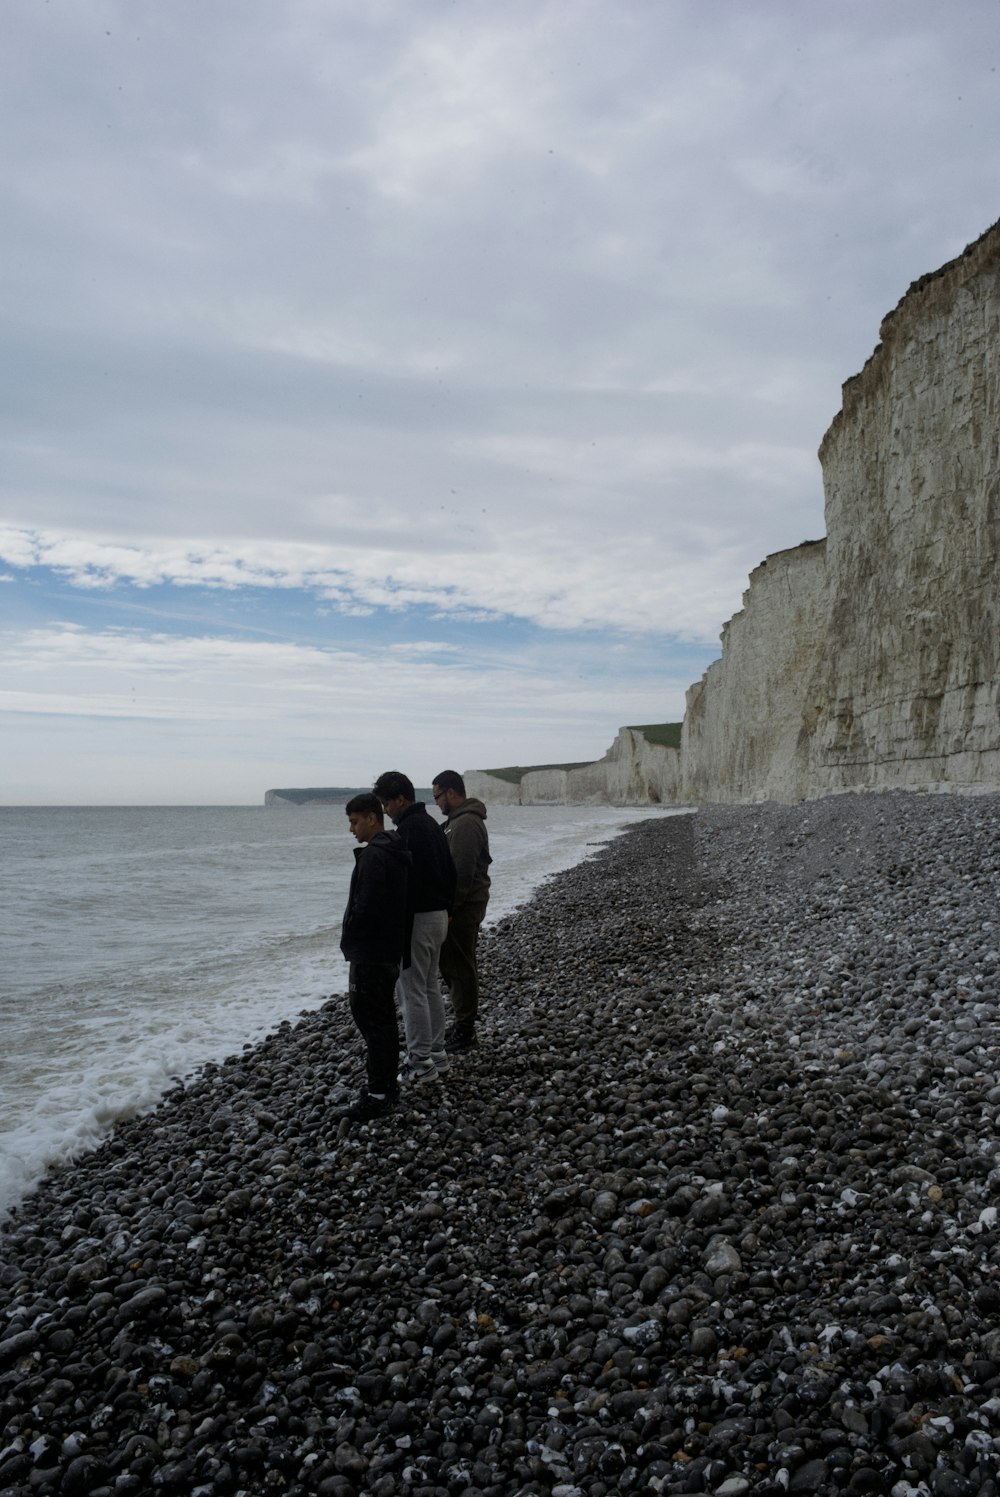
722,1258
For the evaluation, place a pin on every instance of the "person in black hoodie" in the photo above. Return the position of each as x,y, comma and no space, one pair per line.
373,941
429,900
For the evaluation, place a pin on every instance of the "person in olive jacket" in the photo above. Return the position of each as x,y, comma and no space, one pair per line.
373,940
469,845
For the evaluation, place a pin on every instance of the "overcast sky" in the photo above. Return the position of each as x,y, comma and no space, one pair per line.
414,383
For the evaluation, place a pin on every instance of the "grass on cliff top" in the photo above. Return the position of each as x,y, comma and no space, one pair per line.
667,734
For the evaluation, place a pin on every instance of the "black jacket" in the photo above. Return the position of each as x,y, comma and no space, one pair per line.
432,876
375,918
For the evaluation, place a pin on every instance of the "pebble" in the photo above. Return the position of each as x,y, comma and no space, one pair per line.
712,1208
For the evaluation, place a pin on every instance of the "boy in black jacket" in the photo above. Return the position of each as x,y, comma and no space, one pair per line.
429,898
373,939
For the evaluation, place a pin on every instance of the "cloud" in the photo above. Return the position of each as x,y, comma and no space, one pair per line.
451,320
203,718
62,665
546,572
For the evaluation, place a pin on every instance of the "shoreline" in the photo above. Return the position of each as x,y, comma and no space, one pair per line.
710,1208
109,1000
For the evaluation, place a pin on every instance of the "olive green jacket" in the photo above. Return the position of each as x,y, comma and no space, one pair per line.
469,845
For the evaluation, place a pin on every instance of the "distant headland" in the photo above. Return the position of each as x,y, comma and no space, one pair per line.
330,795
327,795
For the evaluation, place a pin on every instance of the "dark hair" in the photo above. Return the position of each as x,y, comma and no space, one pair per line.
449,779
394,783
365,802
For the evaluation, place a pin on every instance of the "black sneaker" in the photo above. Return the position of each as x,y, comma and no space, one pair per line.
459,1038
367,1108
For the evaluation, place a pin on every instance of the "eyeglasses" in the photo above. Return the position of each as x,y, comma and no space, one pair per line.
439,794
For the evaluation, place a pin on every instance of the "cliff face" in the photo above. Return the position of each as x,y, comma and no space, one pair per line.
873,661
909,693
870,659
633,772
742,735
491,789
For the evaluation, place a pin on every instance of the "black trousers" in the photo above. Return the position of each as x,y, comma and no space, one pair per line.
372,986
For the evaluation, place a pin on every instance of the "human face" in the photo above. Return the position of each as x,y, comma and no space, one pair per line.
442,799
364,824
394,806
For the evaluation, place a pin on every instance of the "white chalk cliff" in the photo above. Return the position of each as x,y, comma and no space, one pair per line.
870,659
633,772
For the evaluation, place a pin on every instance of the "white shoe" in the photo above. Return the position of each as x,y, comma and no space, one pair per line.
415,1072
442,1061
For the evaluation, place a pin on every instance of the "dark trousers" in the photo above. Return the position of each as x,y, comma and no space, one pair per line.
371,986
458,962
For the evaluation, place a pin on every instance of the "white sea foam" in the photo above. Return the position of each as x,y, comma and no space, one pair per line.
140,944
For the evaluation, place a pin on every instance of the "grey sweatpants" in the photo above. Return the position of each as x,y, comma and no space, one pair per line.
418,991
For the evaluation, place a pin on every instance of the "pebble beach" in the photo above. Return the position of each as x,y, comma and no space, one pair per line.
712,1208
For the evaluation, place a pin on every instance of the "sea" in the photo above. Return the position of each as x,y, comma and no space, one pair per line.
139,943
